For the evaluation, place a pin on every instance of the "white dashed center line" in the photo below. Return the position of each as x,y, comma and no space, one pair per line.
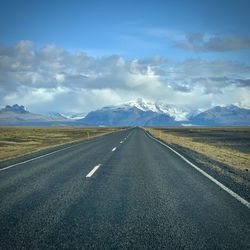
93,171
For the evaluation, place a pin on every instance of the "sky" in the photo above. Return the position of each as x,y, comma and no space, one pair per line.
76,56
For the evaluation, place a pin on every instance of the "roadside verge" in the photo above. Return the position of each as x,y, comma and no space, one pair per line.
238,190
41,152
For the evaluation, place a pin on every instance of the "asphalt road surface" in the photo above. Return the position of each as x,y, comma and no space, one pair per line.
120,191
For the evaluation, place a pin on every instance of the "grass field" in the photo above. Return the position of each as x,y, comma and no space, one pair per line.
228,145
17,141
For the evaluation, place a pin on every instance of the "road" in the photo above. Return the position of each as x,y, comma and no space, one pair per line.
120,191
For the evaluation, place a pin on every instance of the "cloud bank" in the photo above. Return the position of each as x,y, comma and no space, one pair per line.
200,43
53,79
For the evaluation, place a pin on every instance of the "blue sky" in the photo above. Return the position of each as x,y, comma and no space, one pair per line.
131,28
161,36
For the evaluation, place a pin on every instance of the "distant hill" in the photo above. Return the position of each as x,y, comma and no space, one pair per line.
223,116
18,116
14,109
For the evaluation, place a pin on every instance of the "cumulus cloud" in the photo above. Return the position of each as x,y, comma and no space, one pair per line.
53,79
200,43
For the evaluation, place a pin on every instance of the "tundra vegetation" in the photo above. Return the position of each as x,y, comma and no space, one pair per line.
17,141
230,145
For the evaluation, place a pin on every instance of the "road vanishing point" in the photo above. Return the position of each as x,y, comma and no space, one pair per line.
124,190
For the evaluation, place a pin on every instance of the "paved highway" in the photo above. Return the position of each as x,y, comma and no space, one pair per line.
120,191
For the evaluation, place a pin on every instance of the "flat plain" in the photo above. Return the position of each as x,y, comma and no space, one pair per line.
229,145
18,141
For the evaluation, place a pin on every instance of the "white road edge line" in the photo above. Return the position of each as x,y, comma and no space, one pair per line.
38,157
232,193
113,149
93,171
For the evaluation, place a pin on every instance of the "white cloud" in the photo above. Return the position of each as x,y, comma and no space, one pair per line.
54,79
60,77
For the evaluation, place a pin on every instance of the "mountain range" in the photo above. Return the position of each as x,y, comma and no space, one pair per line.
134,113
17,115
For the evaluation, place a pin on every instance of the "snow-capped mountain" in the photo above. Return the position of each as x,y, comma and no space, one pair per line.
231,115
65,115
74,116
177,112
133,113
56,115
144,113
125,115
139,112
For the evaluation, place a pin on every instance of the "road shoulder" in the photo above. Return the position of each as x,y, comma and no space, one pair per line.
238,181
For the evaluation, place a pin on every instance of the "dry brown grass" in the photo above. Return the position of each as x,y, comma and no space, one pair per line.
17,141
218,151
